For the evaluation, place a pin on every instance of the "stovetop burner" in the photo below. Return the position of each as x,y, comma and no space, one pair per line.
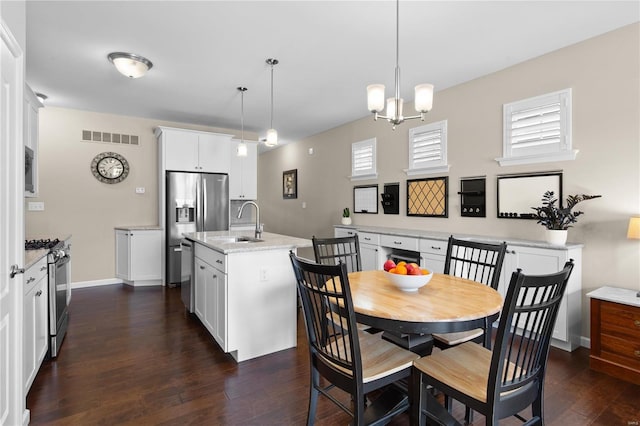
41,244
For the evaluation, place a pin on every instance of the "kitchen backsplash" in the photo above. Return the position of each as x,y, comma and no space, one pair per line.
248,215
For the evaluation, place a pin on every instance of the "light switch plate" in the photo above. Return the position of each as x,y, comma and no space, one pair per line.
35,206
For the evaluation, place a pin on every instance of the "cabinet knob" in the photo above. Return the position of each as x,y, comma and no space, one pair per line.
39,293
215,276
44,268
30,280
636,353
201,267
636,323
397,242
219,261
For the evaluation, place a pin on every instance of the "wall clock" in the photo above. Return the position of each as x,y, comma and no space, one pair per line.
110,167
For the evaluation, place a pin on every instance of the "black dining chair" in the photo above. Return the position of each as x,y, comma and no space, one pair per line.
503,382
331,251
475,261
346,358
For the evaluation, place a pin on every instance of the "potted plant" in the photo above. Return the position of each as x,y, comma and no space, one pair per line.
558,219
346,216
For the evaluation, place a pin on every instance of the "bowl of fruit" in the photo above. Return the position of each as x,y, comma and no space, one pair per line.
407,277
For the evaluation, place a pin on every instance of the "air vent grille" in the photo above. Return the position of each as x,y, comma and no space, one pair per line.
106,137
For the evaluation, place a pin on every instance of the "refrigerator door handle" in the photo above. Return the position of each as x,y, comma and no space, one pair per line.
199,206
204,202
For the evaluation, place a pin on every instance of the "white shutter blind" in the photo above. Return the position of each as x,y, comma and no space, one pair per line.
428,146
538,126
363,158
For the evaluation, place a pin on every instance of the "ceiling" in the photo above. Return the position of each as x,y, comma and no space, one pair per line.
329,51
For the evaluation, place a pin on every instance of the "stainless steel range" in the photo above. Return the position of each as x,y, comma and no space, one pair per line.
58,258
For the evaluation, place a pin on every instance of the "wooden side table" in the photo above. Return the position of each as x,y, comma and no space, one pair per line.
615,333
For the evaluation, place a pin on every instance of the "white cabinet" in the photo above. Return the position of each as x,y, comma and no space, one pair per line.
138,253
243,176
193,151
344,232
31,107
433,254
211,293
35,321
535,261
369,251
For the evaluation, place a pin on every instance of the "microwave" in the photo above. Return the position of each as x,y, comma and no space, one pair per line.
29,170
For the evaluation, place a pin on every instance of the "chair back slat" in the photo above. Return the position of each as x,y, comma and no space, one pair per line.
329,316
332,251
524,332
476,261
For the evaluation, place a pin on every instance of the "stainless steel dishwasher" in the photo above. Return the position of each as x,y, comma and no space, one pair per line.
187,275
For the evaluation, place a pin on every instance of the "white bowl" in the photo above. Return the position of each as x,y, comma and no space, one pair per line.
409,283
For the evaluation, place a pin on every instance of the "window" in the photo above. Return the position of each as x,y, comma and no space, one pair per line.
538,130
428,149
363,160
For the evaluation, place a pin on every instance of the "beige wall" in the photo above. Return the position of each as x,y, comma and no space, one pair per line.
605,77
79,205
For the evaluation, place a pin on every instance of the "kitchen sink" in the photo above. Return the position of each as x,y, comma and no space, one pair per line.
230,239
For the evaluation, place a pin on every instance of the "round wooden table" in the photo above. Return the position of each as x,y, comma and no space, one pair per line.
446,304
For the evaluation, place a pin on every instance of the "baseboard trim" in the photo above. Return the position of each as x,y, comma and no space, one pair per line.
585,342
95,283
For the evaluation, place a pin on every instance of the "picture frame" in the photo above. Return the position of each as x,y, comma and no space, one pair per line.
290,184
517,194
365,199
428,197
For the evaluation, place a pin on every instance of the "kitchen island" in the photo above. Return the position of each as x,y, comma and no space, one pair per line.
245,290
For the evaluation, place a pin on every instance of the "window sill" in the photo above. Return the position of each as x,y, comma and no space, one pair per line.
430,170
364,177
534,159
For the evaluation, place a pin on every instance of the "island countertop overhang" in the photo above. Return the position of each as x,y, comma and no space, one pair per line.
215,240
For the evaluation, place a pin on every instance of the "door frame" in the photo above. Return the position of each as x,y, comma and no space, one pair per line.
12,229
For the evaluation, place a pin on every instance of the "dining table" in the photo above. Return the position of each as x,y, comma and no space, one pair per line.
446,304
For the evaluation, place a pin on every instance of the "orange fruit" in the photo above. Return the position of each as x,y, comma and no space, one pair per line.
401,263
401,270
392,270
425,272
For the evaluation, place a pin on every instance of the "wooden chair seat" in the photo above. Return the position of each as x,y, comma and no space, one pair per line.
380,358
464,367
452,339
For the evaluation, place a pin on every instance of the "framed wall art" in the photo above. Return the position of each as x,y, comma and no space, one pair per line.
428,197
290,184
365,199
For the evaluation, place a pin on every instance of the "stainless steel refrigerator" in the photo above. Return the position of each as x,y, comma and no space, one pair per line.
196,202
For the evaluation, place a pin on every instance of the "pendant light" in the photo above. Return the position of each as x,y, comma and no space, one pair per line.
272,134
423,100
242,146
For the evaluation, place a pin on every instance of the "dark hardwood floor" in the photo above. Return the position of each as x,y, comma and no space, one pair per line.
133,356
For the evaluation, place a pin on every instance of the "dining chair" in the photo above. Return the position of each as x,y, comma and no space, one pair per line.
503,382
475,261
331,251
346,358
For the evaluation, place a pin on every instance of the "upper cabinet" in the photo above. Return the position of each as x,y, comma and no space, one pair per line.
193,151
243,177
31,107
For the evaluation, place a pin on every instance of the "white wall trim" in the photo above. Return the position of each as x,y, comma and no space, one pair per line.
585,342
96,283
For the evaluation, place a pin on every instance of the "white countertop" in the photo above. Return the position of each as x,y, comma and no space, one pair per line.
617,295
269,241
444,236
139,228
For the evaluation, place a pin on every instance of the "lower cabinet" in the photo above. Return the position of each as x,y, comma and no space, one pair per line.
433,254
533,260
369,251
138,256
35,321
211,300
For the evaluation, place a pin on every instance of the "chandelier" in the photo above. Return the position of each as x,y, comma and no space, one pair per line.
272,134
423,100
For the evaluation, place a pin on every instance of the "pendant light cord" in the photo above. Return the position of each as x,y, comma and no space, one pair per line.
272,95
242,116
397,99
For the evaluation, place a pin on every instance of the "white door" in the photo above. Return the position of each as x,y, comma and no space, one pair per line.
12,401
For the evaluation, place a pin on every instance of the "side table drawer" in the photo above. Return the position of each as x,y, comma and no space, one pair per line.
620,320
620,350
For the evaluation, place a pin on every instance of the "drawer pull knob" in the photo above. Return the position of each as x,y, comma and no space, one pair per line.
219,261
39,292
201,267
397,242
30,280
435,248
636,323
44,268
636,353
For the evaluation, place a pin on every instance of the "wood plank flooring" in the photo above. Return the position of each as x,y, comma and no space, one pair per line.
133,356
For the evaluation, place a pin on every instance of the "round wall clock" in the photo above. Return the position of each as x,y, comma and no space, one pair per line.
110,167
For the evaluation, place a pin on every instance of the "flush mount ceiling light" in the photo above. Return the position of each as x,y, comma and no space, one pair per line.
130,65
41,97
272,134
242,146
375,92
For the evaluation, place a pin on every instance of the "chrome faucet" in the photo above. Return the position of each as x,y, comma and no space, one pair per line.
258,224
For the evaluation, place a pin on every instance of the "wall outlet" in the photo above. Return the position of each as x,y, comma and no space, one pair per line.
263,274
35,206
140,190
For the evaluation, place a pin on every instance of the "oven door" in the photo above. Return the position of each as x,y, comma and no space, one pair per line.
59,282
